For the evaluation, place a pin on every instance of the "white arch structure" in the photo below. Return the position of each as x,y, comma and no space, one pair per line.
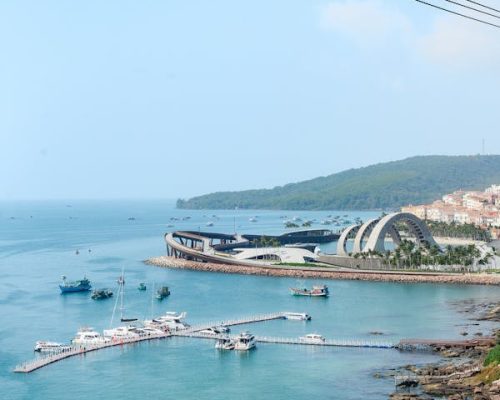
375,230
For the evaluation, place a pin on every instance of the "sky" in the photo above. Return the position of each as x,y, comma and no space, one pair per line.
174,98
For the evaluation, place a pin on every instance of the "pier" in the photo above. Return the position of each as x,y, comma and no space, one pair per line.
195,332
32,365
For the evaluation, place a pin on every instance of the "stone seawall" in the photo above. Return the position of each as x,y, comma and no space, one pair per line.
318,272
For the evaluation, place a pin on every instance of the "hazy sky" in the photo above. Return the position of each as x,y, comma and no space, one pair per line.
127,99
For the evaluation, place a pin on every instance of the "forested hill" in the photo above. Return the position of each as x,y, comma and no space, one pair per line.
388,185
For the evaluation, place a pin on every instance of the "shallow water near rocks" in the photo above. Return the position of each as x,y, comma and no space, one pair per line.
38,245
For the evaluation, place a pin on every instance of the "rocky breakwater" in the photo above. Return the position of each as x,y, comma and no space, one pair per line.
326,272
470,370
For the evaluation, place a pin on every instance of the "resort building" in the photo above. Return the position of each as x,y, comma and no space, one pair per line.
463,207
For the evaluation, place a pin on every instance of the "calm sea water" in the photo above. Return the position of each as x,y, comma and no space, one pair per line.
38,243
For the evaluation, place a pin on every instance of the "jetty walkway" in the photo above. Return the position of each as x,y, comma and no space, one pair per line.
296,341
32,365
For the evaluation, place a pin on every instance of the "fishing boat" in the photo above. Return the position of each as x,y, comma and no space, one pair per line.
245,341
42,346
224,343
100,294
316,291
312,338
82,285
162,292
86,336
142,286
297,316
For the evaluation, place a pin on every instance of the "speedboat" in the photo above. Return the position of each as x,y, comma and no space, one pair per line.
87,336
170,320
122,332
297,316
49,347
215,330
245,341
312,338
316,291
224,343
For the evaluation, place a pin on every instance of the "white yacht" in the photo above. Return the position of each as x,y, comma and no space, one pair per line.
122,332
170,320
149,331
297,316
49,347
312,338
224,343
87,336
245,341
215,330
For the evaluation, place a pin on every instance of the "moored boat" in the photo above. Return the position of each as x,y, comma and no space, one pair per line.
312,338
215,330
43,346
297,316
245,341
224,343
169,321
100,294
121,332
81,285
162,292
87,336
316,291
142,286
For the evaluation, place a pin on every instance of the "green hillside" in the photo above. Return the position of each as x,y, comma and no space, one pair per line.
413,180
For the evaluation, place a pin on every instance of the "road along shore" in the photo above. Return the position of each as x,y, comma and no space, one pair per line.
327,272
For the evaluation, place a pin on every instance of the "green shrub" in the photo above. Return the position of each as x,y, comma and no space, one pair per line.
493,356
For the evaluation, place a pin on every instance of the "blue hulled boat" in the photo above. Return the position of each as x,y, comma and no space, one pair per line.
82,285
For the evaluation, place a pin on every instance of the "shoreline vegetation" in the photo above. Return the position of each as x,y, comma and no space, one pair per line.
328,272
390,185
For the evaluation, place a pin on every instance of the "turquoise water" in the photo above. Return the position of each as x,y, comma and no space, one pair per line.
38,243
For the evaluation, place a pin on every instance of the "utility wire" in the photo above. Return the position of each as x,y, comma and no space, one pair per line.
473,9
459,14
482,5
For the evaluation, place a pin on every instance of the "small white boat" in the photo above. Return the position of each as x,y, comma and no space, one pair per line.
43,346
245,341
252,219
215,330
149,331
86,336
297,316
122,332
312,338
224,343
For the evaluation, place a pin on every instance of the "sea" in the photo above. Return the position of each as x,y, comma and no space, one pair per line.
42,241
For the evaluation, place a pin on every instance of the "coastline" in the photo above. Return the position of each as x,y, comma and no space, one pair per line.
334,274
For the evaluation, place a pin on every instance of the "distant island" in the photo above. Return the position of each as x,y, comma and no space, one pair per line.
389,185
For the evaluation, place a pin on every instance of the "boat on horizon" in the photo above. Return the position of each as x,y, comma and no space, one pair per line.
316,291
82,285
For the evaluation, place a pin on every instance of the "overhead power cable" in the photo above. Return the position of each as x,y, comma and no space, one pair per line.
482,5
457,13
473,9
